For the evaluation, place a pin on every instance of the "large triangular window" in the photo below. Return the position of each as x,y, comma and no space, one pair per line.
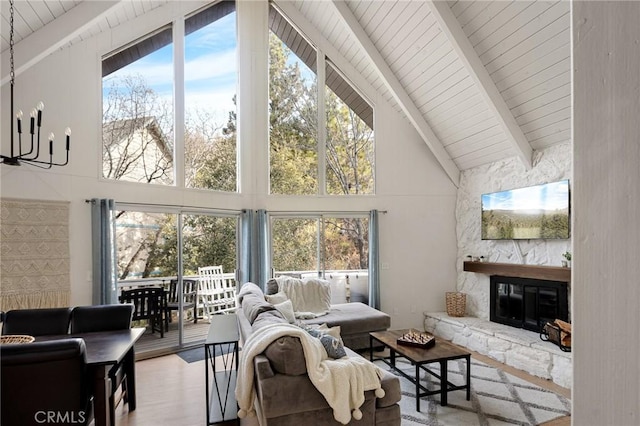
174,128
321,142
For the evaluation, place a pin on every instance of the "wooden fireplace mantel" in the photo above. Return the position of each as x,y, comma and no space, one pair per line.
551,273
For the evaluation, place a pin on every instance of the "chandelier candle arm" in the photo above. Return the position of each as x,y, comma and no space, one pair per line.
35,121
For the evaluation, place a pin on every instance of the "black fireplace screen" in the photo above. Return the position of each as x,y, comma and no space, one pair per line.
527,303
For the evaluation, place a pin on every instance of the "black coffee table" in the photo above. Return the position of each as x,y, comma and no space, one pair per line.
442,353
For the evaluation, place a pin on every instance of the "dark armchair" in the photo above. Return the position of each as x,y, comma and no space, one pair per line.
87,319
37,322
149,303
42,378
189,297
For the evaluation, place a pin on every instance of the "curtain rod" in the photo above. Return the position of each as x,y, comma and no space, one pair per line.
237,210
325,212
173,206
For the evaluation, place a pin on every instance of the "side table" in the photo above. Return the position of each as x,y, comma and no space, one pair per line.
221,400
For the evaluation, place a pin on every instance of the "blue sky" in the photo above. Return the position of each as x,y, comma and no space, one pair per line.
210,69
550,196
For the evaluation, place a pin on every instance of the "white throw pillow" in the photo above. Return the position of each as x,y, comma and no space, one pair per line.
276,298
331,331
286,309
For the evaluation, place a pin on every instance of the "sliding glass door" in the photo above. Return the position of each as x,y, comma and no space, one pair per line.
164,247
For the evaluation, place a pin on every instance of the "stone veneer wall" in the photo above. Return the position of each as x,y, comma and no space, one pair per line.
549,165
518,348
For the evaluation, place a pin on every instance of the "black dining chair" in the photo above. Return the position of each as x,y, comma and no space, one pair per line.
88,319
37,322
149,303
189,297
42,378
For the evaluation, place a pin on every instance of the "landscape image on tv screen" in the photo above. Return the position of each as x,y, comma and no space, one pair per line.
536,212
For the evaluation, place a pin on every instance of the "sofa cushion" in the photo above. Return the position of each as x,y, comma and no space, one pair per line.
276,298
267,318
286,309
287,356
392,392
253,305
272,286
249,288
353,318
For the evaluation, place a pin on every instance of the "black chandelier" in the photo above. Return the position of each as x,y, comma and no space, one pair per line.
30,157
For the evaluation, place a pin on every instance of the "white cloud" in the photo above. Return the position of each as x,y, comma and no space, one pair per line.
211,65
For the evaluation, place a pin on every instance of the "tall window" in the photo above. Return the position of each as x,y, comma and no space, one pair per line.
137,111
334,248
349,138
338,160
139,142
210,91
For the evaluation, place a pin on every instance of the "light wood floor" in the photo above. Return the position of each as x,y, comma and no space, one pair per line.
171,392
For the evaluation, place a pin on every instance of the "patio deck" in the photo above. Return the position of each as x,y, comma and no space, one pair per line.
152,345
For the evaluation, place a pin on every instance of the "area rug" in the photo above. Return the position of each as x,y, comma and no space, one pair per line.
197,354
497,398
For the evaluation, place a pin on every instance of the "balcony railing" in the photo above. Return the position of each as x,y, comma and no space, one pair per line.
347,285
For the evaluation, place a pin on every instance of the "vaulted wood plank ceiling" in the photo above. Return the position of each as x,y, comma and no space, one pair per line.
499,89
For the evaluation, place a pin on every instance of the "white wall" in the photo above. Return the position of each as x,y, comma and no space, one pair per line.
418,242
549,165
606,270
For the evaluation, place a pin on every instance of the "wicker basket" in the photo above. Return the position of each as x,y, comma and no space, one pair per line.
456,303
15,338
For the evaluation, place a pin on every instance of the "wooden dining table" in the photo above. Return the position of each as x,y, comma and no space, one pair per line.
105,349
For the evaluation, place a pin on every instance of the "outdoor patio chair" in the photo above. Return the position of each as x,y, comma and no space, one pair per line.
189,297
216,294
37,322
88,319
149,303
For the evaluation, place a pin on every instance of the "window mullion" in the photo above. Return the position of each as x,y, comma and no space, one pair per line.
321,256
322,125
178,99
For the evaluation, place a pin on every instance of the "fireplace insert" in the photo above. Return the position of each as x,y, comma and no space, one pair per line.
527,303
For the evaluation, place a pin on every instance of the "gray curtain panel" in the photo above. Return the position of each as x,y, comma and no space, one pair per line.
245,273
105,281
262,261
374,259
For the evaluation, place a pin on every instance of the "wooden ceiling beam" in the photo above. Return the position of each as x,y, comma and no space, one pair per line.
38,45
450,26
397,90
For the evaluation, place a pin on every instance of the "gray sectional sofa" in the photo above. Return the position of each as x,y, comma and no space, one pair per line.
284,392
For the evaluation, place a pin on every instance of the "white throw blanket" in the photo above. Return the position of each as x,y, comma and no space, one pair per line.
310,297
342,381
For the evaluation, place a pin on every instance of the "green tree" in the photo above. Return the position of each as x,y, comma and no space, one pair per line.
349,148
210,152
292,125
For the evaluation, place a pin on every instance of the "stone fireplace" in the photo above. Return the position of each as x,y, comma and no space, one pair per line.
526,297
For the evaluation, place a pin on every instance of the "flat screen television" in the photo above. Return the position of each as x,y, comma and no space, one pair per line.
535,212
